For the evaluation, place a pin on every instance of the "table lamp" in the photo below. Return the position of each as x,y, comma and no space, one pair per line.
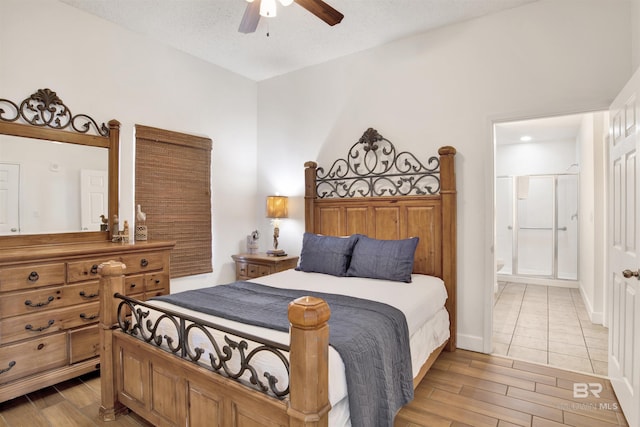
276,208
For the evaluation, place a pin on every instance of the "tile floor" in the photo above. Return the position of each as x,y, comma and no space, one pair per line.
548,325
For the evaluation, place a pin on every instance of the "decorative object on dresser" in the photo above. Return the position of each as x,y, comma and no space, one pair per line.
277,208
121,236
141,228
252,242
250,266
175,365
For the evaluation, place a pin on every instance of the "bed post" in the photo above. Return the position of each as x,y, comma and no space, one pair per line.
309,195
111,281
449,246
309,357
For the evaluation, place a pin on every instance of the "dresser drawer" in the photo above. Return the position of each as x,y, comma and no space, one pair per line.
134,284
31,276
250,270
78,271
84,343
140,263
242,269
30,357
31,301
35,325
40,300
156,282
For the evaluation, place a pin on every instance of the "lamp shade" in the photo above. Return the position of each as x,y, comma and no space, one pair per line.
277,207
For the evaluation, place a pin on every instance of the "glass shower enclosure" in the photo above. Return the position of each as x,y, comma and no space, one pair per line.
537,226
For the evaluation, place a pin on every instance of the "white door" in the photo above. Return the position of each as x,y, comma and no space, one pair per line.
623,297
93,198
9,198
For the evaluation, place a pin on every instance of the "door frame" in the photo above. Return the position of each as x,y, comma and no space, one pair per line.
490,189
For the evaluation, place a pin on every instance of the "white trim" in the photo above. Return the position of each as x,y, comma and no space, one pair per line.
594,316
472,343
538,281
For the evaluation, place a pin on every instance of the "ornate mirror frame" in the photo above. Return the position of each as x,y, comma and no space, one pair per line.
44,116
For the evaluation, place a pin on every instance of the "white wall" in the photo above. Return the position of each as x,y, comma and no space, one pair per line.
592,214
446,87
107,72
536,158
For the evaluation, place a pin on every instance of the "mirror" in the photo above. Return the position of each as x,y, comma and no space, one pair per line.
57,171
51,187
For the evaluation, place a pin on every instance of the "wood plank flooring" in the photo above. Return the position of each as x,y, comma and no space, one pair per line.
473,389
462,389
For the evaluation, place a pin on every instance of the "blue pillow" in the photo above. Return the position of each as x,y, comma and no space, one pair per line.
383,259
326,254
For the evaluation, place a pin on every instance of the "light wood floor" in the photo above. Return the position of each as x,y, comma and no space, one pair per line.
462,389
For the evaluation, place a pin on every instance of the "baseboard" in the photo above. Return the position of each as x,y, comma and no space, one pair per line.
470,342
538,281
595,316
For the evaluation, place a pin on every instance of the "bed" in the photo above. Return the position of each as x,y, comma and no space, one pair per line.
175,365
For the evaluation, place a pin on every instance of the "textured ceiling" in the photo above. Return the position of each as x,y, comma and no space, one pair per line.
208,29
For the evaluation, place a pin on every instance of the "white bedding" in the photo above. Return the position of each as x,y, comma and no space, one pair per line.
421,301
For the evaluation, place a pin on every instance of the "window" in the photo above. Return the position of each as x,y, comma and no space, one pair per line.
173,187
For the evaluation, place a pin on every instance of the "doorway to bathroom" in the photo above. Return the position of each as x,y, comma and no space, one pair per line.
549,225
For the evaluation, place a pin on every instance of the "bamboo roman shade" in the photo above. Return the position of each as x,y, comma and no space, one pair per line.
173,187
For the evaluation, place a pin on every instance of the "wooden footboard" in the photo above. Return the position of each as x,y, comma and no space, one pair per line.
168,390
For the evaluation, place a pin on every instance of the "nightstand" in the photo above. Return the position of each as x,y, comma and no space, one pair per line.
249,266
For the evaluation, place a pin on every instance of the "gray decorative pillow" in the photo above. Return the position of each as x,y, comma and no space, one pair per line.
326,254
383,259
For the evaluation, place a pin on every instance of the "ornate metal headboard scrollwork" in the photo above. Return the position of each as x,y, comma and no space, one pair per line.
373,168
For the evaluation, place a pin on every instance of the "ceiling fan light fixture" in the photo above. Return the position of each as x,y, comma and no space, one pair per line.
268,8
285,3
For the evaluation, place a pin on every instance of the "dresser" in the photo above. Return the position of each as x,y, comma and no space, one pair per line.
49,307
250,266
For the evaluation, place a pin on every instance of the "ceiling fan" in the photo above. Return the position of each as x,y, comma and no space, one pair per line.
267,8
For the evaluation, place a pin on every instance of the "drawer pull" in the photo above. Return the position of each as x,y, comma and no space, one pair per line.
94,269
85,317
33,276
40,346
39,304
41,328
83,295
157,281
144,262
133,285
11,365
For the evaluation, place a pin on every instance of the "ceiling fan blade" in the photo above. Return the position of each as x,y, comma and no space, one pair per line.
250,18
322,11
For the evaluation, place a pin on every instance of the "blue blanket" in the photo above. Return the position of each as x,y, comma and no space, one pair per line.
371,337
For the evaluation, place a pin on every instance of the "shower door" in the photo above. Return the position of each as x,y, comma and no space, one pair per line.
537,226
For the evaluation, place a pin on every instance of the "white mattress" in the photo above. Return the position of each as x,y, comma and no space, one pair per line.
421,301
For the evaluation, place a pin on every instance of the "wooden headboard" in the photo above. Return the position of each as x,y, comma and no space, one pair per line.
385,194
